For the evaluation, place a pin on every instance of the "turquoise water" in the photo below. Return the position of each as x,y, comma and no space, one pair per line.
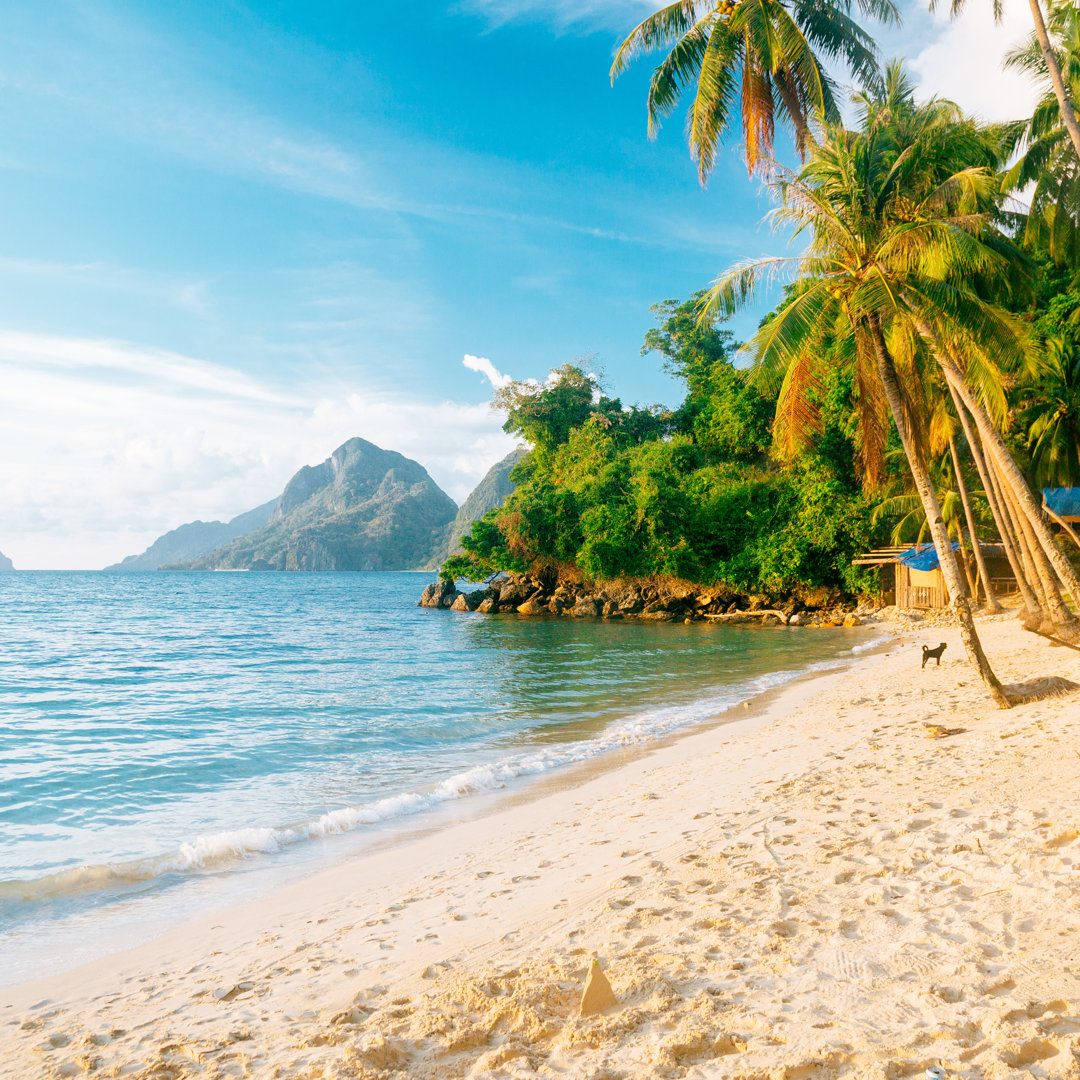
156,728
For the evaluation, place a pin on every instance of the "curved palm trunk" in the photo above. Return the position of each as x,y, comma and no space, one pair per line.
965,565
1053,605
1068,114
954,583
1040,621
1027,597
992,606
998,455
1013,480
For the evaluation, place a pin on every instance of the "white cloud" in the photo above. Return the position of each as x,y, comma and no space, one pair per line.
486,368
963,62
564,14
106,445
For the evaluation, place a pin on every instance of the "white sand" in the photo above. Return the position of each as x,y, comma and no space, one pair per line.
824,890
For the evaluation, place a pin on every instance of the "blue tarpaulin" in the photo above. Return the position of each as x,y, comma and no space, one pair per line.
1065,502
921,557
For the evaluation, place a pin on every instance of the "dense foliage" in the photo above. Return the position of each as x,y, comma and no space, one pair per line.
692,493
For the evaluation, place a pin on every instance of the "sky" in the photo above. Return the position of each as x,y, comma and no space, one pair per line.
236,234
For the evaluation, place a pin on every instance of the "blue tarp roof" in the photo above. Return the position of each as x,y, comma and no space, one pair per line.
921,557
1065,502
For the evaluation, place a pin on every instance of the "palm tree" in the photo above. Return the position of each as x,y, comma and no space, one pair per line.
1050,164
898,201
765,58
1051,416
1049,59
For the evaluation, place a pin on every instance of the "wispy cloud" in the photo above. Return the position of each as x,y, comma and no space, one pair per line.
108,444
563,15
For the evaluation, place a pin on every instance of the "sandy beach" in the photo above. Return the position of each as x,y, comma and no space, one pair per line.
873,872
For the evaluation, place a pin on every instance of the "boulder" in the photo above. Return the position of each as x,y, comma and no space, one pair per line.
488,605
556,604
657,616
514,592
531,607
795,620
771,620
852,620
586,607
439,595
460,603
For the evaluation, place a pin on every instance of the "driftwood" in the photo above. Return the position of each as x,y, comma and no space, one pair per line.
732,615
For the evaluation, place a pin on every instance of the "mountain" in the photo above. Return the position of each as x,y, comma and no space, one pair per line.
195,539
489,494
363,508
5,563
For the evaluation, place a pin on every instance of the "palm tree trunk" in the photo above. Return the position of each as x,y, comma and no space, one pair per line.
1068,114
1014,481
992,606
957,601
1027,597
1058,614
1037,619
965,563
998,454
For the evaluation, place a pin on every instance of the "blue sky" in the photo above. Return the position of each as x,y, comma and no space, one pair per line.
237,233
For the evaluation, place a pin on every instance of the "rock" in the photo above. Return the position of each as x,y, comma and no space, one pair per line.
530,607
488,605
460,603
771,620
853,620
795,620
609,609
513,593
657,616
586,607
556,605
440,594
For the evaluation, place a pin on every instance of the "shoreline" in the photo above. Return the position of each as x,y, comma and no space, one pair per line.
152,885
681,869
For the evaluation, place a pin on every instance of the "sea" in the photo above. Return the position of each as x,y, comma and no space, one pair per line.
174,741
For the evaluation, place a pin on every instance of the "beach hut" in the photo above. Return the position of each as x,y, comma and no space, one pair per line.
917,578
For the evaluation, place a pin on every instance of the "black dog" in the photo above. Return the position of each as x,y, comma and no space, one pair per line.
928,653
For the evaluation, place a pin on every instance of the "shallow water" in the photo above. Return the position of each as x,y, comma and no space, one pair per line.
155,728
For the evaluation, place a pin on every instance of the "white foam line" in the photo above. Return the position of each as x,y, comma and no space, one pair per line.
218,849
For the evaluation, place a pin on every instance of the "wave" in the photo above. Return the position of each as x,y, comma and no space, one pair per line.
219,851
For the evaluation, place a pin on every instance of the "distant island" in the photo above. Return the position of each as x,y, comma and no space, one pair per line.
5,563
489,494
363,508
195,539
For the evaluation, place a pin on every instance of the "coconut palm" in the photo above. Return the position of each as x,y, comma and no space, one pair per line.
903,208
763,59
1052,416
1050,59
1050,164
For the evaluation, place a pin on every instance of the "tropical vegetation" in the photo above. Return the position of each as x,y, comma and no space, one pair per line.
920,377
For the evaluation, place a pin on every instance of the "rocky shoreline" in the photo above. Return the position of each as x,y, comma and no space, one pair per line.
649,601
